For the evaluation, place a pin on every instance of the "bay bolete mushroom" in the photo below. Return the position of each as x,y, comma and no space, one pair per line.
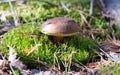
59,28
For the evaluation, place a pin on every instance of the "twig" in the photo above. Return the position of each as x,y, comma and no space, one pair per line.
64,6
33,49
91,7
13,14
70,59
109,56
12,69
56,61
87,14
84,18
52,4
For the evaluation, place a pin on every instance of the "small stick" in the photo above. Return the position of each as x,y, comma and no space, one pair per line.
33,49
91,7
64,6
13,13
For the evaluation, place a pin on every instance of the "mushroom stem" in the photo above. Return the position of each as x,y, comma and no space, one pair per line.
57,39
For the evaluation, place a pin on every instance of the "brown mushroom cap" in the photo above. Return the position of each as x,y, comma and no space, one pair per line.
60,26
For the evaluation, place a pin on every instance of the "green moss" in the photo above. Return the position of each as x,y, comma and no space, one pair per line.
20,40
111,69
4,6
38,11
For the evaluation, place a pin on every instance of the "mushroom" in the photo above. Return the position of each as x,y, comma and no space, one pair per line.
59,28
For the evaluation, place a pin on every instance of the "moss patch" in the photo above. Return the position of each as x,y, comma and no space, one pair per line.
22,39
